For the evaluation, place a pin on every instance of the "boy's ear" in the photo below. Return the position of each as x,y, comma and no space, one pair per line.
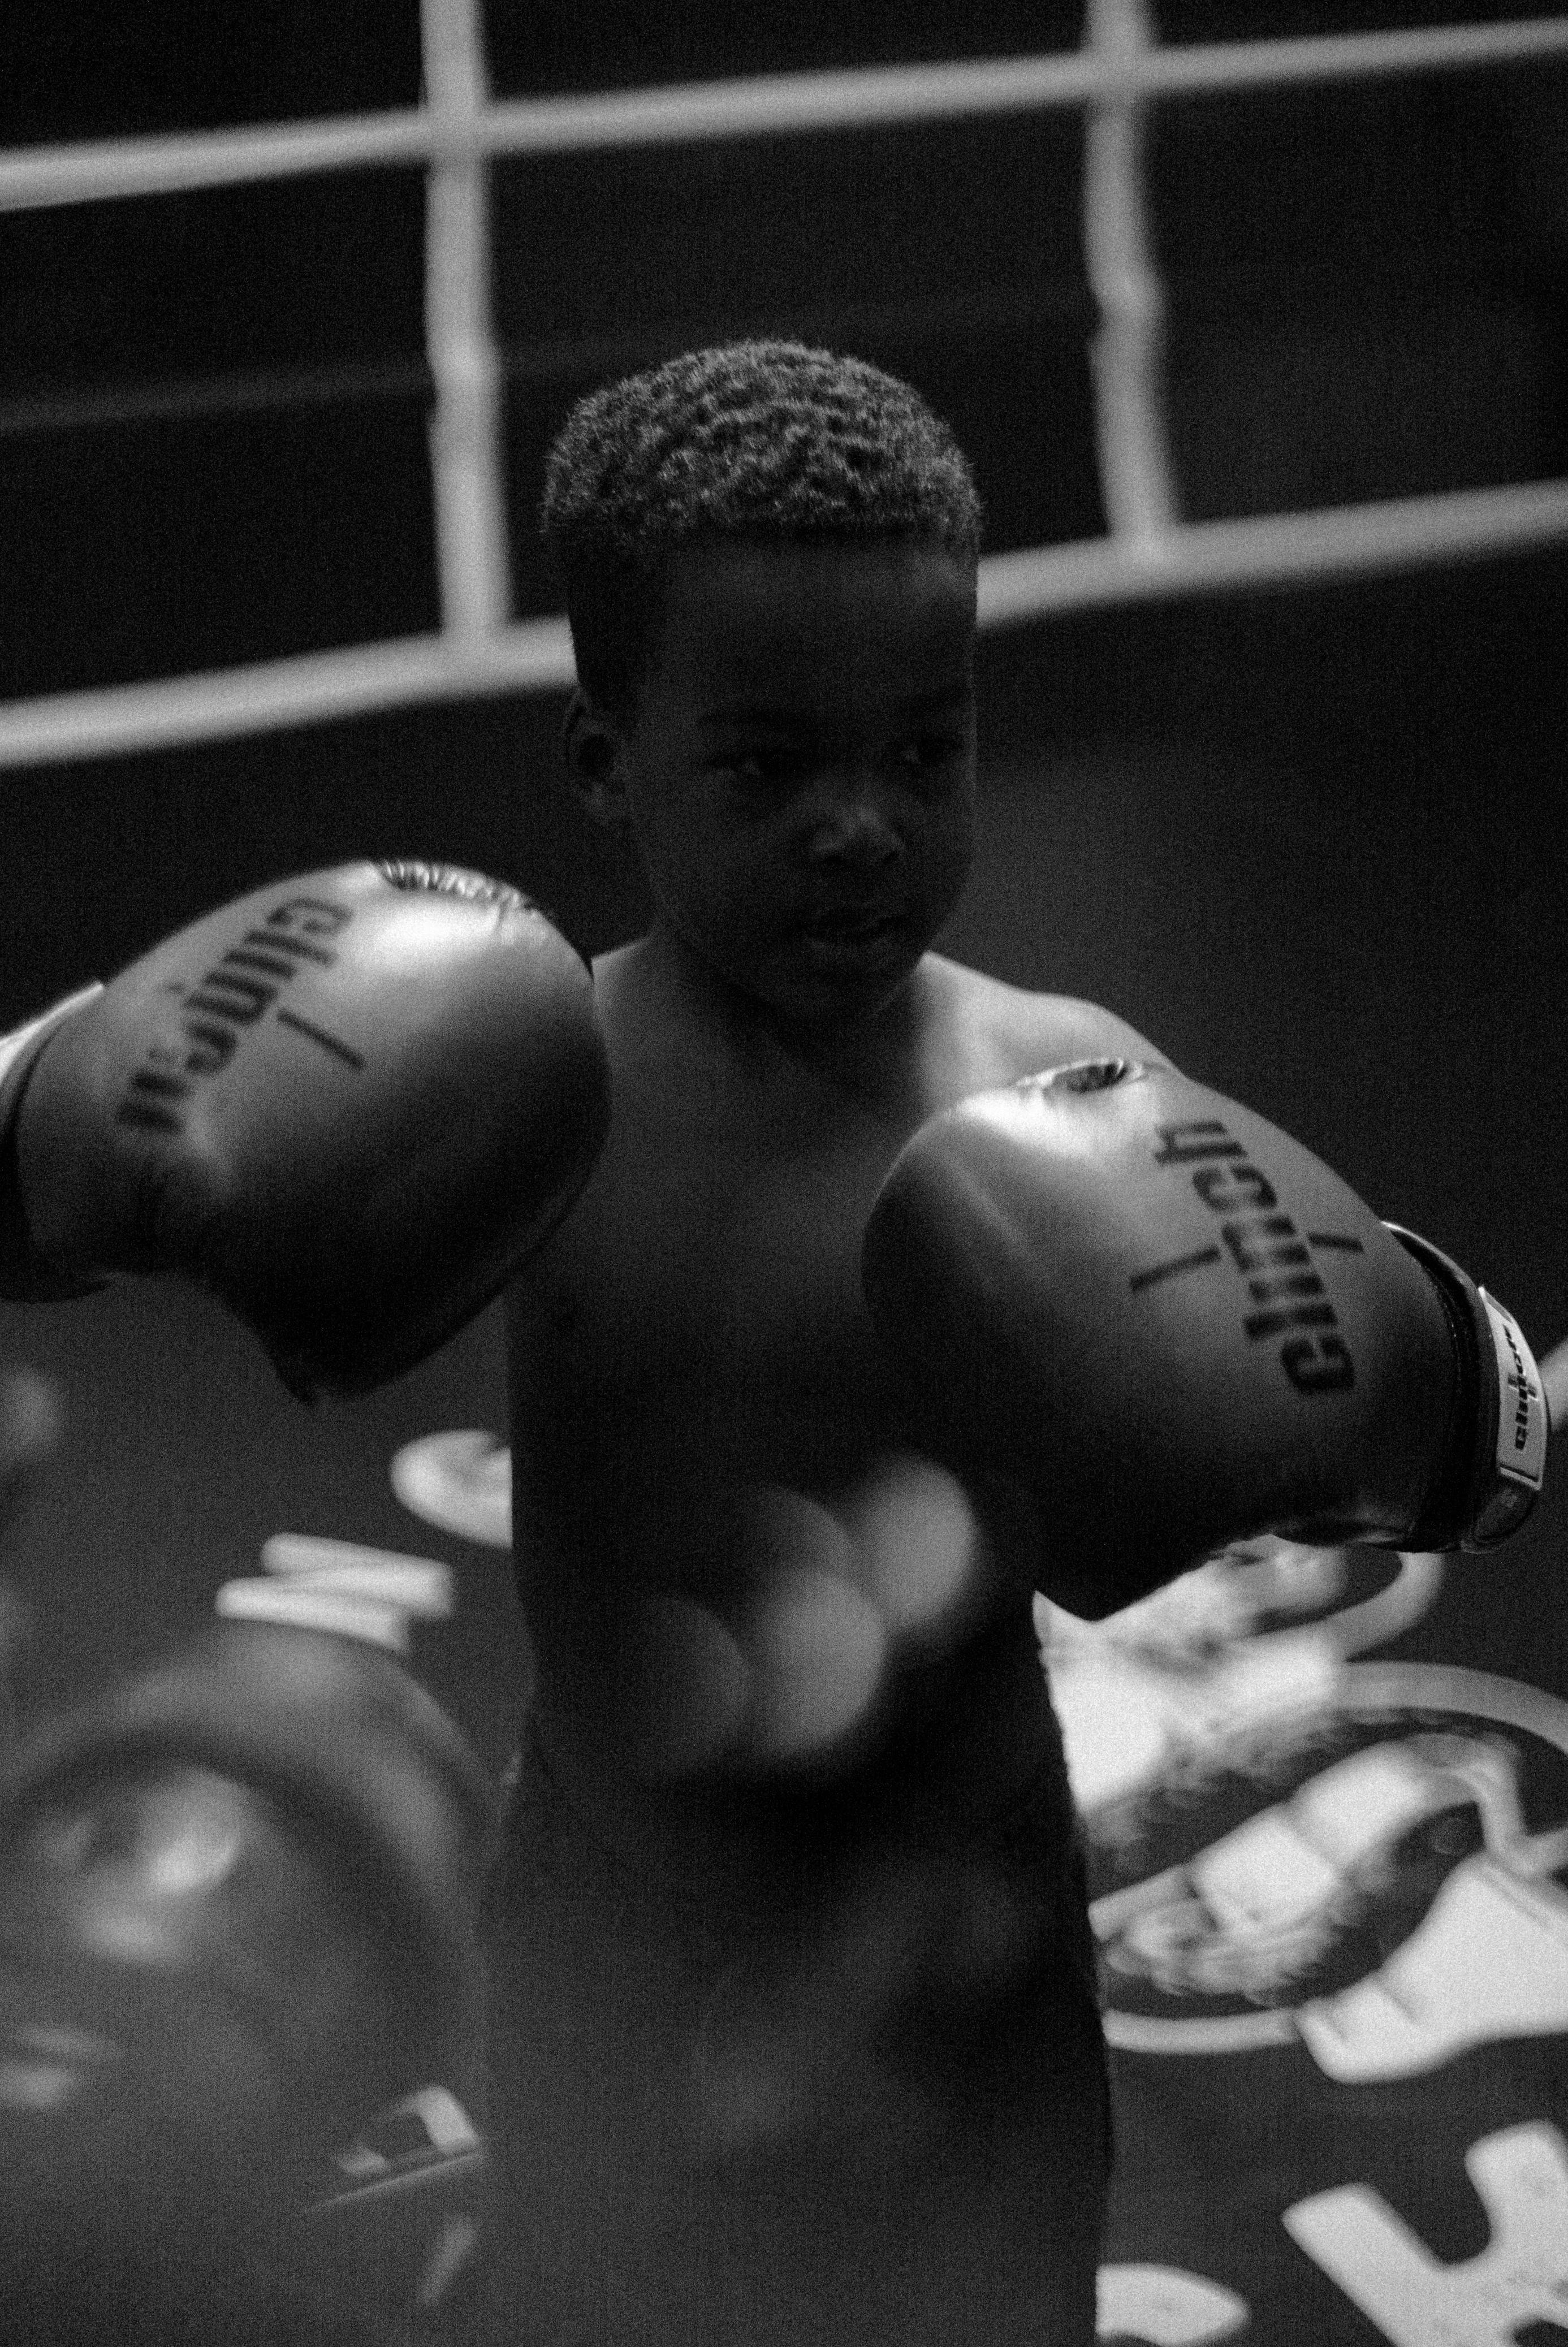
595,749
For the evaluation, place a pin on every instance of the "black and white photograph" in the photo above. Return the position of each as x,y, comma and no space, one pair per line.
784,1234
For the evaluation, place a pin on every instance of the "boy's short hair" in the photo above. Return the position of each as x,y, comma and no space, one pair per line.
757,440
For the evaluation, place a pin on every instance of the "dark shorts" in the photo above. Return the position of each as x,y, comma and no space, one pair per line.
868,2103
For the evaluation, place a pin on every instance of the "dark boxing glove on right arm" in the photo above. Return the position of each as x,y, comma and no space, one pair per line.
1179,1328
350,1105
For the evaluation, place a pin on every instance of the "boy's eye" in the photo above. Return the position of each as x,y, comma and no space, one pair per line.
924,751
776,766
769,768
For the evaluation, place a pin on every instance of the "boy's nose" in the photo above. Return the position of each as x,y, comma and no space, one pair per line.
854,829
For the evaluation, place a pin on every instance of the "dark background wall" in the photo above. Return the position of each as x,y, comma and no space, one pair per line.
213,404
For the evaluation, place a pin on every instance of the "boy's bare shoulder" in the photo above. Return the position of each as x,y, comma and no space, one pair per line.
615,974
644,1018
1026,1031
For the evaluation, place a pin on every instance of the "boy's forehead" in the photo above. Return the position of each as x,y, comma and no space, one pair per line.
777,625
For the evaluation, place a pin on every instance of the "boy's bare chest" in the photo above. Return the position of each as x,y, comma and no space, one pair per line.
707,1283
709,1257
707,1292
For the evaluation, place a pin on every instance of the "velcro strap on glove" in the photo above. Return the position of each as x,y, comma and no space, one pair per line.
1494,1460
24,1276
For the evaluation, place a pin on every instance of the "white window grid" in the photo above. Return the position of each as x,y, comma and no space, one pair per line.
1148,552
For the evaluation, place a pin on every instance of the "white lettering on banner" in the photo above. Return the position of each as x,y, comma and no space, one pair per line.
1521,2176
311,1582
461,1482
1237,1943
1166,2307
1207,1662
1489,1962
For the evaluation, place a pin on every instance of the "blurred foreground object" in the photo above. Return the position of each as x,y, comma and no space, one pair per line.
236,1921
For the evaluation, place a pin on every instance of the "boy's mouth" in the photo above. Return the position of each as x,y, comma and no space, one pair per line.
848,925
847,941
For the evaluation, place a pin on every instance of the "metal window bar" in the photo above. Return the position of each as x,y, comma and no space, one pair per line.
1149,554
770,104
466,463
1136,478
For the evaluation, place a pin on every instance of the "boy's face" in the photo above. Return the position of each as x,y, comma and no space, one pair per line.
800,777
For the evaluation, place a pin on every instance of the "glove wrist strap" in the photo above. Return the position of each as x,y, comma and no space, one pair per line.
1494,1457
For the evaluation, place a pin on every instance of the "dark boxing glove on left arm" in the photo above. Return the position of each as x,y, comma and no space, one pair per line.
350,1105
1178,1328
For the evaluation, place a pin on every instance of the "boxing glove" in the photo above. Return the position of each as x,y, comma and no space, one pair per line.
237,1917
1177,1328
348,1105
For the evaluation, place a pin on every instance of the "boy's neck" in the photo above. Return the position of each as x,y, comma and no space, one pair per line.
878,1041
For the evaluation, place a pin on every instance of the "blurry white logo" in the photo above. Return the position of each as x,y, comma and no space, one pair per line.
1288,1848
311,1582
1521,2176
461,1482
1166,2307
1256,1634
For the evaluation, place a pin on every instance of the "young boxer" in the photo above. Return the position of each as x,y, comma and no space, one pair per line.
893,1294
796,2034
